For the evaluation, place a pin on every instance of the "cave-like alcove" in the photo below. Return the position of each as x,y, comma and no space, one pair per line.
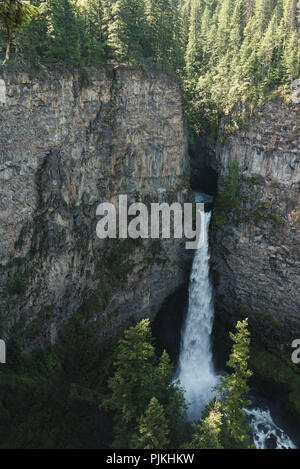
205,181
168,323
204,177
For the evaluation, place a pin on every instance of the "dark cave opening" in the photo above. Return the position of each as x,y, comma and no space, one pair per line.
168,323
205,181
204,176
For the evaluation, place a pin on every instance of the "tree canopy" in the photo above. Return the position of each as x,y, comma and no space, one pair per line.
226,52
146,404
13,15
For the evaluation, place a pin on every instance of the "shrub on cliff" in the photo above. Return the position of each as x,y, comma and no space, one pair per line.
227,200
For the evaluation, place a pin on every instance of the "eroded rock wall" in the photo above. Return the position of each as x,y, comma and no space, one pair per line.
256,250
66,145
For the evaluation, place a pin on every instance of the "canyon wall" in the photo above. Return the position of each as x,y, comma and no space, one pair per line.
256,245
67,143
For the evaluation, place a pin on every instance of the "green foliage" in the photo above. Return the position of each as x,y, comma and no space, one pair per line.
64,35
207,433
227,200
127,31
229,196
171,396
262,212
76,344
16,286
16,13
89,32
153,427
138,377
13,15
233,389
41,362
96,301
164,38
52,395
237,51
225,52
92,21
43,407
147,407
277,370
276,218
132,381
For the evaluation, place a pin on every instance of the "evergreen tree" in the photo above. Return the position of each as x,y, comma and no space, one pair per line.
138,377
64,31
207,433
131,386
224,23
238,23
238,50
153,428
223,424
93,23
193,52
184,11
13,15
292,56
233,390
31,41
225,51
128,30
171,395
164,31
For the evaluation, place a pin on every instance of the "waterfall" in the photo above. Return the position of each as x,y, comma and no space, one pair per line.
196,370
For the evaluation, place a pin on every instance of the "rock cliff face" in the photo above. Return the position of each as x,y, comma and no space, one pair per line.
256,250
68,143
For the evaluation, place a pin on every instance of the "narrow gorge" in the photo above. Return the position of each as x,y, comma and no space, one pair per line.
68,144
150,227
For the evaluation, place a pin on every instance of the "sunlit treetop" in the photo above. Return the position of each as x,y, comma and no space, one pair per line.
13,15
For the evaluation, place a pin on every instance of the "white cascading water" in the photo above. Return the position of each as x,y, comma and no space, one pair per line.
266,434
195,368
